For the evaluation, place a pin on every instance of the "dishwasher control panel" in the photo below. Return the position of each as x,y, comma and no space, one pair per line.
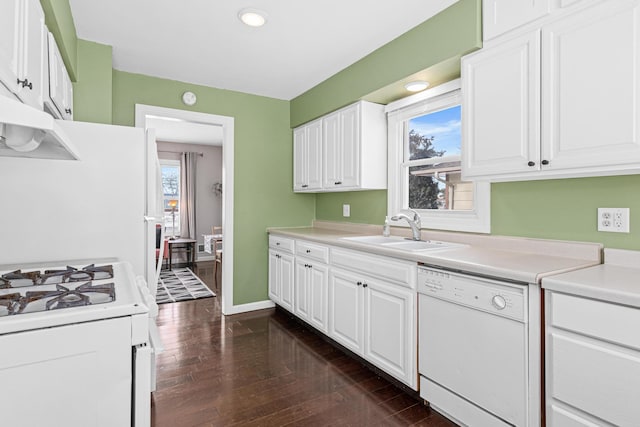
493,296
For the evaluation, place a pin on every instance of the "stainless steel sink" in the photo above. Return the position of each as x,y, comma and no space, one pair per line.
402,244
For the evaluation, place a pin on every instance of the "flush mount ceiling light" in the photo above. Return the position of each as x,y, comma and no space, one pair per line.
416,86
253,17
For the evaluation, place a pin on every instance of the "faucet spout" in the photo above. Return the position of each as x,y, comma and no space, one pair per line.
414,222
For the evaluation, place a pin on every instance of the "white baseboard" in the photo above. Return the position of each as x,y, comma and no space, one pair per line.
252,306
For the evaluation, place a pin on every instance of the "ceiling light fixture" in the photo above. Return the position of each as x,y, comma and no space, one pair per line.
253,17
416,86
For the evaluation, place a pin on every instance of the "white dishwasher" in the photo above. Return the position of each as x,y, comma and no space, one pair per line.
474,348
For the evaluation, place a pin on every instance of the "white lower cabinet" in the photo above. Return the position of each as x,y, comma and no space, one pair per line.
592,362
346,302
374,319
281,278
311,292
367,303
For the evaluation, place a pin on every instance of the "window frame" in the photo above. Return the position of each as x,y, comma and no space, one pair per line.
477,220
172,163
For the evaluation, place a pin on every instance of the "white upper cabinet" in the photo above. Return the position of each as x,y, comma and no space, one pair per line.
353,147
10,13
561,100
307,152
501,16
22,49
591,75
501,114
59,101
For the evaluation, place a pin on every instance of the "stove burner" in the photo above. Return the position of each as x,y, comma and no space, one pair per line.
18,279
71,274
64,297
8,303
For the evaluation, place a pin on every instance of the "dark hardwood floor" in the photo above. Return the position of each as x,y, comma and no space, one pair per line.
266,369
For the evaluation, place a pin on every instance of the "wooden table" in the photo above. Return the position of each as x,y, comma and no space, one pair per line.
185,246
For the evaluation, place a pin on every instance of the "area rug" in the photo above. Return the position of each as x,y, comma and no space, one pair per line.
180,284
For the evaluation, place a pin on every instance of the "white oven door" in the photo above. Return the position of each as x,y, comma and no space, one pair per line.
74,376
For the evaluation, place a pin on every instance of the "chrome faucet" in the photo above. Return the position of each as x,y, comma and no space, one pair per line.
415,223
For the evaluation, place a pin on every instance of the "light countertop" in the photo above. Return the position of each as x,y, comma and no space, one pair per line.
617,280
518,259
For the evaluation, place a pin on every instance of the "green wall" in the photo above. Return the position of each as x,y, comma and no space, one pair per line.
263,165
566,209
92,92
451,33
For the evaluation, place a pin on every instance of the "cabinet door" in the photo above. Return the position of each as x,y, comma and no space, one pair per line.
501,118
274,277
67,86
332,149
32,50
314,155
10,14
287,269
591,73
350,134
389,319
300,155
318,280
57,73
302,284
500,16
346,309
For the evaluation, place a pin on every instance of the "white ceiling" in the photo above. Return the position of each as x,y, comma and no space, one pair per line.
203,42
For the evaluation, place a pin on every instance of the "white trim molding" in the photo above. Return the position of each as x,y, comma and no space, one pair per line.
399,112
142,113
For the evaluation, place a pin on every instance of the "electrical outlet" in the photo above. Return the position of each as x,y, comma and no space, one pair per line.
346,210
614,220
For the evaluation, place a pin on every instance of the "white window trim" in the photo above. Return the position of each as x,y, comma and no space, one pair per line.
477,220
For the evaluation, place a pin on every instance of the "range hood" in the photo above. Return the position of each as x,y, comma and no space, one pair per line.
28,132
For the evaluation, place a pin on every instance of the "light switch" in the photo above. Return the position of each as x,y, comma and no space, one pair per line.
346,210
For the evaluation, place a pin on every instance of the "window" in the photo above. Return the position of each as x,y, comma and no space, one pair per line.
425,150
171,196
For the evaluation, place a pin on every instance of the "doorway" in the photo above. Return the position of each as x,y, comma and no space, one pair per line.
220,131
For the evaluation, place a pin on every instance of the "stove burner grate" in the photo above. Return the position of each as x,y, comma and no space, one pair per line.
63,297
19,279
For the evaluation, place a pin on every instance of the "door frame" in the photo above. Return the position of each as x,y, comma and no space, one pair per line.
142,113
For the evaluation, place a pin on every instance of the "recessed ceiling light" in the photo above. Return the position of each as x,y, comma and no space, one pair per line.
416,86
253,17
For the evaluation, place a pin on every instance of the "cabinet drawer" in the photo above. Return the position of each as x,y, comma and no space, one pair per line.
281,243
400,272
611,322
312,251
596,377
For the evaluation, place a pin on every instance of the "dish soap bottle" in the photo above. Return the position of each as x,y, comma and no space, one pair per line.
386,228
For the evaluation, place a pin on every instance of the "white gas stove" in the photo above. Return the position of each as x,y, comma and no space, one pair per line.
75,340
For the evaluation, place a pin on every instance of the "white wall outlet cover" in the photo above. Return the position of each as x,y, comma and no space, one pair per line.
614,220
346,210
